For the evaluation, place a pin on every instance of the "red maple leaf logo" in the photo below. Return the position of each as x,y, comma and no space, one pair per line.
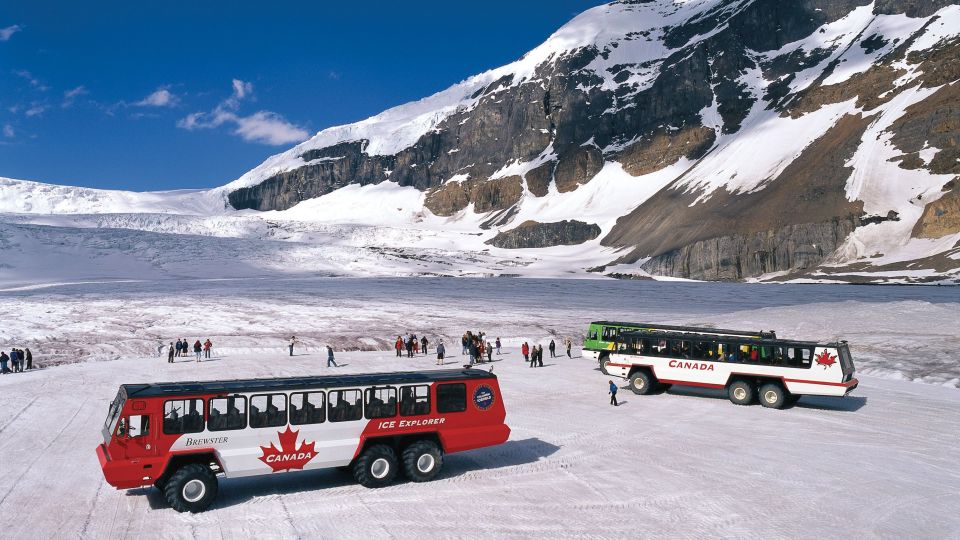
826,359
288,456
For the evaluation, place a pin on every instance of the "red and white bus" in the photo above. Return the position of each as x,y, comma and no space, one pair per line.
180,436
775,371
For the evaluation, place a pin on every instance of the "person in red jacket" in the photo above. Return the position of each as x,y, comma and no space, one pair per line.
525,349
399,346
207,345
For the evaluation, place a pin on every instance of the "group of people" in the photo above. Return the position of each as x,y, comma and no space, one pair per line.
18,360
182,349
412,345
477,347
534,354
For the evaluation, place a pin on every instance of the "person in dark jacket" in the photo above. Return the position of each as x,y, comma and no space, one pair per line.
179,347
569,345
489,350
170,354
29,359
15,360
553,349
330,359
198,349
3,363
613,394
440,352
423,344
474,353
539,355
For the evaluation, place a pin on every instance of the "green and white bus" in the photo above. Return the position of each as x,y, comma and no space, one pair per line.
603,337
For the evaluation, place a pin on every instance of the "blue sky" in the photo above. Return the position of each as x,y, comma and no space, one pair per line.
167,95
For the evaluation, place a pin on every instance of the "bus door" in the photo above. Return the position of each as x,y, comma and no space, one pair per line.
136,437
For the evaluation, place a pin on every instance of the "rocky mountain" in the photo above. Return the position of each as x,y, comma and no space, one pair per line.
705,139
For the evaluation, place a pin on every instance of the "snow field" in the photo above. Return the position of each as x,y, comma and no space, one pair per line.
684,464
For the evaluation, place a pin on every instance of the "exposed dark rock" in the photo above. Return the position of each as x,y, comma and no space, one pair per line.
538,180
531,234
807,199
942,216
577,167
663,149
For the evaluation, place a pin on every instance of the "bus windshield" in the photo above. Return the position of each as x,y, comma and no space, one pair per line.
114,411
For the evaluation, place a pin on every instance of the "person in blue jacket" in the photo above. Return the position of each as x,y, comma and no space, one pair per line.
330,359
613,394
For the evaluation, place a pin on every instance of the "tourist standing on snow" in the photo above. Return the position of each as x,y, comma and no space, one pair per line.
474,353
170,354
3,363
198,349
465,343
207,345
613,394
399,346
553,349
525,351
293,341
15,360
498,345
539,355
29,359
330,359
569,344
440,350
423,345
410,346
179,346
489,352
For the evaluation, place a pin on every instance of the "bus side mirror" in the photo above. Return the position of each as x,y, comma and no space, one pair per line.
122,431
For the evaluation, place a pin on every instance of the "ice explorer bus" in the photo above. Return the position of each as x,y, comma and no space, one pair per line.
775,371
181,436
603,336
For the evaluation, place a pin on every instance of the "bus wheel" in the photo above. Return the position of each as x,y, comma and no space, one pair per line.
422,461
376,466
742,392
773,395
642,383
604,360
191,489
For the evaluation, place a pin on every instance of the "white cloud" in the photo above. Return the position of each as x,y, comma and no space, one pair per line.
71,95
8,32
268,128
8,131
265,127
34,82
35,110
161,97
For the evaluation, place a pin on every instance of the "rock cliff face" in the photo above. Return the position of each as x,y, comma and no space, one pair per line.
531,234
774,132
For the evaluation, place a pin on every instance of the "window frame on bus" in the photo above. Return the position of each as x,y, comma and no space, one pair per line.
368,408
416,400
441,406
183,416
228,399
322,407
269,423
331,417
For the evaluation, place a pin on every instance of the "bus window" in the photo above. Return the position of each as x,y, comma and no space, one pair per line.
644,347
451,398
182,416
307,408
702,350
800,357
227,413
268,410
414,400
136,425
344,406
381,403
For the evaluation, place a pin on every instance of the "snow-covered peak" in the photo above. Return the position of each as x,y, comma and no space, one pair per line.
620,29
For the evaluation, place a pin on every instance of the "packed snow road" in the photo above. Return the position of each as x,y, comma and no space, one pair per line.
880,463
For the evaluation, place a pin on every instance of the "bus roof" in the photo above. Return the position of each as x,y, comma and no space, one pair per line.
692,329
300,383
705,337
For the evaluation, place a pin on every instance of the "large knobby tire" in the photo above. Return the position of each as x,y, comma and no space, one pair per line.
742,392
774,396
376,467
191,489
604,360
642,383
422,461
